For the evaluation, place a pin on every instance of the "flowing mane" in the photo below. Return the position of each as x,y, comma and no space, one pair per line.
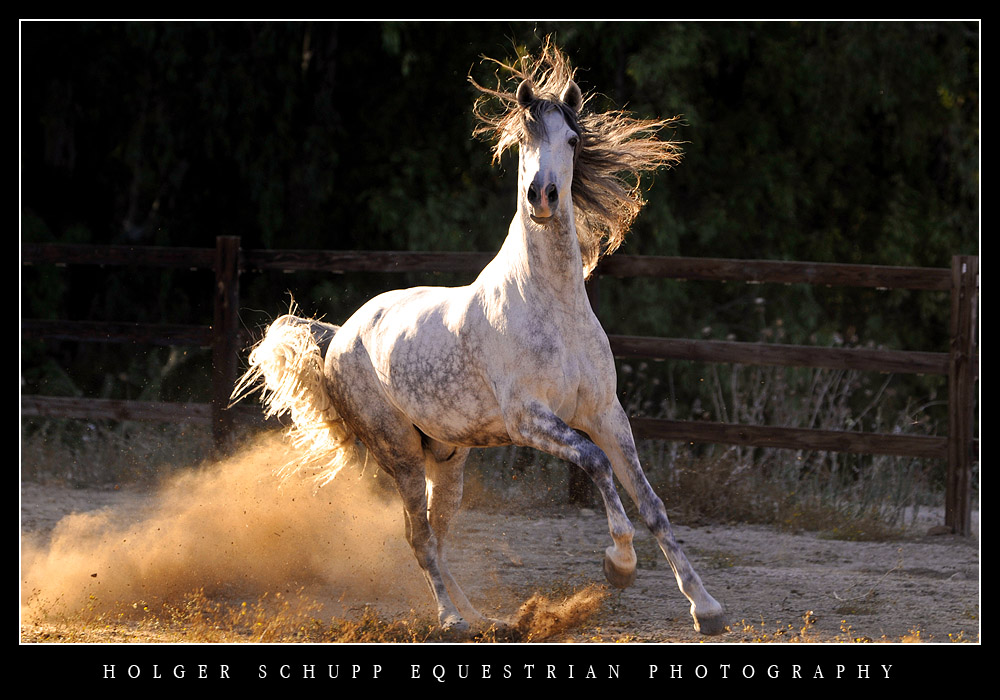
615,148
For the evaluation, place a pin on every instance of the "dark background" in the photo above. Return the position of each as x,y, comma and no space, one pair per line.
815,141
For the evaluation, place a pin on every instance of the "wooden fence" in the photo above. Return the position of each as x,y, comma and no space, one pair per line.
960,364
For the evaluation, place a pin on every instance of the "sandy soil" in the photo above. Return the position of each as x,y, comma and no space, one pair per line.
769,581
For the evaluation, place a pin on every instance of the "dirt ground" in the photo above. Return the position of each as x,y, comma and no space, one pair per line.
772,584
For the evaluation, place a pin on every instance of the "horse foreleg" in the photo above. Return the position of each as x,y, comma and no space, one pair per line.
543,430
614,434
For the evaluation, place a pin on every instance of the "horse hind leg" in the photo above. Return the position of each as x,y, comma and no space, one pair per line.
397,447
411,483
445,467
445,473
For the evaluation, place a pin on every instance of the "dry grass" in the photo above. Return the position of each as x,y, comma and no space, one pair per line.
728,490
89,453
197,618
843,495
297,618
802,632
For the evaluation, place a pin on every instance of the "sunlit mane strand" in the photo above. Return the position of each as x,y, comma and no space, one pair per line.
616,148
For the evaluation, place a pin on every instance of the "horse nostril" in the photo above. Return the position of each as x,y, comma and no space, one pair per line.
553,194
532,194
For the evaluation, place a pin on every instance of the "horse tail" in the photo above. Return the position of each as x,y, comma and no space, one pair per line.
288,363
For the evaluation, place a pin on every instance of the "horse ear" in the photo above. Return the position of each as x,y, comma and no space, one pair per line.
572,97
525,95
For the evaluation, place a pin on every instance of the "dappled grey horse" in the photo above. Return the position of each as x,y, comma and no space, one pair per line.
419,376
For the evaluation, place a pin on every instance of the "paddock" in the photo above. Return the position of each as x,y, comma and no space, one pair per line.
780,586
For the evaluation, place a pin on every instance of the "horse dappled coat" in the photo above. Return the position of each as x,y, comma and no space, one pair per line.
419,376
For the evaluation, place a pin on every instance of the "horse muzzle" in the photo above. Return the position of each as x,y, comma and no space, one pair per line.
542,202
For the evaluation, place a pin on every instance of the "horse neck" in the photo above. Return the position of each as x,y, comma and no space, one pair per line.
545,261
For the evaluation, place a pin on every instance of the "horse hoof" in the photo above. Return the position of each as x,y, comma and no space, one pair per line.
711,624
455,624
616,576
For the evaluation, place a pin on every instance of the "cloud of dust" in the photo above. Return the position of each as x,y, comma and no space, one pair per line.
541,617
237,532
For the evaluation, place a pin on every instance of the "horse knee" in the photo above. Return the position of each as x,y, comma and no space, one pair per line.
654,514
596,464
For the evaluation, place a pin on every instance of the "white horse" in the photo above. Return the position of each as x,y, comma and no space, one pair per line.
419,376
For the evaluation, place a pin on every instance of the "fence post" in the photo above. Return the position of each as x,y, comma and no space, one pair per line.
963,372
224,335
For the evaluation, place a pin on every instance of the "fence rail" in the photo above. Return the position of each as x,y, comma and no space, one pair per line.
960,364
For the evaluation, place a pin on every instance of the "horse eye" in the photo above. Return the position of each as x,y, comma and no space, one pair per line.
574,141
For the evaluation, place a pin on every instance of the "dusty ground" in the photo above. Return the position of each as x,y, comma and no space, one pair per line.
923,586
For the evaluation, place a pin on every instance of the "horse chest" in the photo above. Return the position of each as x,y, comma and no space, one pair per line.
561,361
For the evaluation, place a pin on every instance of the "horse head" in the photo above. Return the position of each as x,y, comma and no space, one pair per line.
547,153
